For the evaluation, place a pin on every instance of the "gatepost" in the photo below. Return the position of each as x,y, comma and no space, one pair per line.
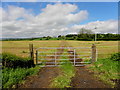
94,54
31,52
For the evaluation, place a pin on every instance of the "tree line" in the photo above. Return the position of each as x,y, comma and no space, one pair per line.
83,35
79,37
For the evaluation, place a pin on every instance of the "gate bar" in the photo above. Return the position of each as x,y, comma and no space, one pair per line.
58,65
63,52
63,59
64,48
66,62
64,55
55,58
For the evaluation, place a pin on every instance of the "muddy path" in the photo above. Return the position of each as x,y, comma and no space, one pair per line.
42,79
45,75
83,77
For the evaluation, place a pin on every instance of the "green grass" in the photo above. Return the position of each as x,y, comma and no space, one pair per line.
107,70
13,76
64,79
15,69
67,72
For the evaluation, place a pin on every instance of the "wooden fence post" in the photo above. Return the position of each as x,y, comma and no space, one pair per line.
94,55
31,52
36,57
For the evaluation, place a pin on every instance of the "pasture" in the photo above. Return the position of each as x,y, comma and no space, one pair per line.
21,48
104,49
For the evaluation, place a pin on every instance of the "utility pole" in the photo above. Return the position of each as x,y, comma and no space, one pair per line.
95,35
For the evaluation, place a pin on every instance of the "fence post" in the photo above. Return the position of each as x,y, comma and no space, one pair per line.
31,52
94,57
36,57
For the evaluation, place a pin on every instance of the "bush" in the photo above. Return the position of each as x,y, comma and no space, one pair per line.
13,61
115,57
15,69
11,76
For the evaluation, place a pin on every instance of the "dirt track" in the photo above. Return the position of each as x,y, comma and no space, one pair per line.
83,78
43,79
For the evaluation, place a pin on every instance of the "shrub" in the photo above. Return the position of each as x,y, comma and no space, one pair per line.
115,57
13,61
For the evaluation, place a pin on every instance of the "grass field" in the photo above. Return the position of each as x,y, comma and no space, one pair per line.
21,48
104,49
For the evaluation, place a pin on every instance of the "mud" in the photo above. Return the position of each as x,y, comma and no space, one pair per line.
43,79
85,79
45,75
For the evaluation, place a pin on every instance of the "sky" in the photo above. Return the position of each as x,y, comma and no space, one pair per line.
37,19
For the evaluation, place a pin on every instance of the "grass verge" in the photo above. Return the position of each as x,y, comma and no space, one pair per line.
15,69
67,72
107,70
11,76
64,79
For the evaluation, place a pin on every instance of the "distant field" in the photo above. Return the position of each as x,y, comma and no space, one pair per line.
104,48
21,48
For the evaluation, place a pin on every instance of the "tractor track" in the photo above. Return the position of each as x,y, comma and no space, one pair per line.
44,76
83,77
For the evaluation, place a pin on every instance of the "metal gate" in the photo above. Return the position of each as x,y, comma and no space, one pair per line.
56,56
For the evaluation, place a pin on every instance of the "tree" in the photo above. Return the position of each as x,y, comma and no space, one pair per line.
59,36
85,34
85,31
48,37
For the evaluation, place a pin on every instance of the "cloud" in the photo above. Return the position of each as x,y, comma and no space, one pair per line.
109,26
53,20
19,22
